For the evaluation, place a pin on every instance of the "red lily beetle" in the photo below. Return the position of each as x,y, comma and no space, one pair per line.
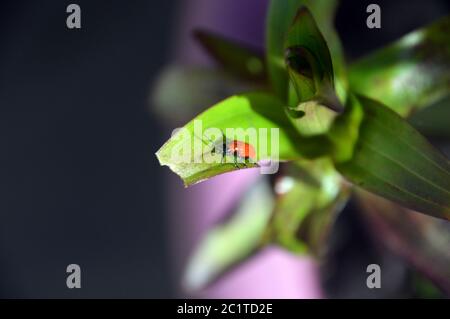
239,150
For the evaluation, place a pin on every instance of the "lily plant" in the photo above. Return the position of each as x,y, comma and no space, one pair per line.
343,131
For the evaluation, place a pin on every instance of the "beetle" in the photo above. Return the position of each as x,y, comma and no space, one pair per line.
241,151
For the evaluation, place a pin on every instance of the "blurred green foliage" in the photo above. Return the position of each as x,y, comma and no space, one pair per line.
333,130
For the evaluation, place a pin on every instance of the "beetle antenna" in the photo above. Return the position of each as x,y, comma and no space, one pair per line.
201,139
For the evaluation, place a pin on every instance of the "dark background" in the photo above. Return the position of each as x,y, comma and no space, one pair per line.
79,182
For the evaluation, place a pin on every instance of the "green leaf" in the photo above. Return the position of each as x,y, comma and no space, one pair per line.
392,159
433,120
345,130
305,34
239,60
303,71
309,79
310,195
311,73
229,243
409,74
280,17
262,125
315,118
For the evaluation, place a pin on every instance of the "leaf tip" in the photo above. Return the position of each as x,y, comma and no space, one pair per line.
301,12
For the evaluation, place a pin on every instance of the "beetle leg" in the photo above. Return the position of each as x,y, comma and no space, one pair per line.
235,161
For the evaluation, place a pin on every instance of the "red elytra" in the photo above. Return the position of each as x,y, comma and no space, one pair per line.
237,149
240,149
